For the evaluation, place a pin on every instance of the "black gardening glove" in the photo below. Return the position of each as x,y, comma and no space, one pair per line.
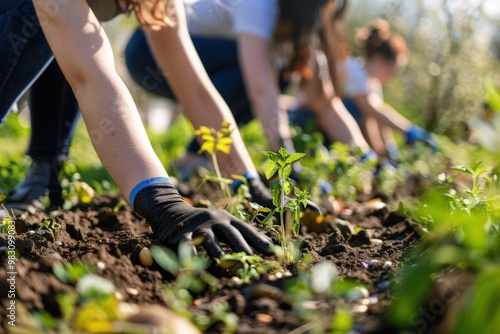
260,193
172,221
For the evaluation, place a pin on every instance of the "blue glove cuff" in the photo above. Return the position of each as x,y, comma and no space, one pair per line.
248,176
144,184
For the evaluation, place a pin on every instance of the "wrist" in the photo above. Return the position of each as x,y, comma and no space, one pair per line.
144,184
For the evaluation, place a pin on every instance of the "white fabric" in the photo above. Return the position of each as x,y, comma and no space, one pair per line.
229,18
357,81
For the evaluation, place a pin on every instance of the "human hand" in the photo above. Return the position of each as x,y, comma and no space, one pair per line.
173,221
415,133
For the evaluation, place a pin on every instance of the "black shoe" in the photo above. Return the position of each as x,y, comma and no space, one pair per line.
30,195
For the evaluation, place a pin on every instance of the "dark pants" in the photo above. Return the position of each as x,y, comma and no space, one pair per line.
24,54
54,114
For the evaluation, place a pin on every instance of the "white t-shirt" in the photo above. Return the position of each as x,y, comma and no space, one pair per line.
357,81
228,18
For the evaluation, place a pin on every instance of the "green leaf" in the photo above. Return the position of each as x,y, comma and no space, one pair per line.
287,186
186,253
119,205
283,153
267,221
285,172
270,169
66,303
491,94
276,193
296,224
314,205
294,157
272,156
166,258
92,286
462,169
342,321
259,208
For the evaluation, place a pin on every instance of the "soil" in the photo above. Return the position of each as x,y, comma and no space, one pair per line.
95,233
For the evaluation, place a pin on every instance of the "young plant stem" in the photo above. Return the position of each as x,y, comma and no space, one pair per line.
223,185
282,222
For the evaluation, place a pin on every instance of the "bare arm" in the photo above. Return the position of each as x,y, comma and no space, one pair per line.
372,105
201,102
262,89
333,118
83,52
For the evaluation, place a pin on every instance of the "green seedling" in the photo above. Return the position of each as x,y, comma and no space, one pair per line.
281,164
216,141
191,278
244,267
71,272
7,224
92,309
470,198
75,191
236,206
49,226
318,297
463,241
118,206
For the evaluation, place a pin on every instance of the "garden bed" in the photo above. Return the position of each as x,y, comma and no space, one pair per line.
112,239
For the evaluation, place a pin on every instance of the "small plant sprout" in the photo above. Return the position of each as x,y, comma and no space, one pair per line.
471,199
311,294
75,191
235,205
216,141
281,163
49,226
191,278
245,267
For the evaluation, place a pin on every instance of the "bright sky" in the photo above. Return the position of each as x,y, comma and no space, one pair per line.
492,6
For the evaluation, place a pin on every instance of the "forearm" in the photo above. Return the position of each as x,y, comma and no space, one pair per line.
338,124
85,57
393,119
274,121
117,133
374,135
384,113
201,102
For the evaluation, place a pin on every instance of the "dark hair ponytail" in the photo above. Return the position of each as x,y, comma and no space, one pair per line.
297,20
378,39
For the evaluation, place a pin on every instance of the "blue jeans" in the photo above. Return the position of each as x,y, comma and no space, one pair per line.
24,52
24,55
54,113
354,111
220,59
306,120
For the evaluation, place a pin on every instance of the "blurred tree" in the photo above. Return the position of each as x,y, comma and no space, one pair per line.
441,86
